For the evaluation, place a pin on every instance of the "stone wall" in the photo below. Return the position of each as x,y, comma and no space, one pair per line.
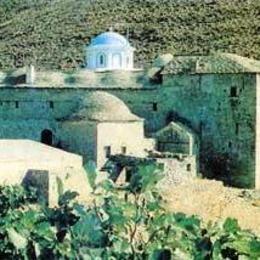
177,170
219,108
129,135
31,163
79,137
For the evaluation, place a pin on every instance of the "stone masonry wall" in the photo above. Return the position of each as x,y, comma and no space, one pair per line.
177,171
219,108
118,135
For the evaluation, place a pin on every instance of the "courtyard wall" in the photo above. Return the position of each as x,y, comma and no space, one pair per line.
219,108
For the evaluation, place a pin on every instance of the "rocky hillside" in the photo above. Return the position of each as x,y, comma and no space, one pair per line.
52,33
213,202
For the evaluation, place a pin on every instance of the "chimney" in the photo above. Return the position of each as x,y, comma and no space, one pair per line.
30,75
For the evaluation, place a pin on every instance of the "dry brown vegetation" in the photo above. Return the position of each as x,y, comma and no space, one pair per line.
52,33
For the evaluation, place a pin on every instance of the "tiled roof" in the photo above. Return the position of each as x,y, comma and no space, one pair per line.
217,63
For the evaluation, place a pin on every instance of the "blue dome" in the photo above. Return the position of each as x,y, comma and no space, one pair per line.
110,38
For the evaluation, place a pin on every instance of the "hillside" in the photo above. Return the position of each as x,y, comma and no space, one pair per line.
52,33
212,202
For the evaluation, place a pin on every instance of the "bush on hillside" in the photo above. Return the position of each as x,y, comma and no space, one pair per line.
52,34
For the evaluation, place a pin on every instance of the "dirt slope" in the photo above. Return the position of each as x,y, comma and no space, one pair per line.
212,201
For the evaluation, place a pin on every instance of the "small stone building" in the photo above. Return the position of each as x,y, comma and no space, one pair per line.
29,162
176,138
104,126
177,147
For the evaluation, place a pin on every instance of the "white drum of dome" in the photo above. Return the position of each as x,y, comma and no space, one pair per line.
109,51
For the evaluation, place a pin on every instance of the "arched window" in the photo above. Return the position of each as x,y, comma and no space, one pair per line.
101,60
46,137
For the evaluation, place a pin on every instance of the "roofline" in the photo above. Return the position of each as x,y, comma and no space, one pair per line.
212,73
102,121
110,46
73,87
178,125
118,121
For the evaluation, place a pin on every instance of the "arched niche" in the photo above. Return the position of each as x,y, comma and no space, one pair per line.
116,60
47,137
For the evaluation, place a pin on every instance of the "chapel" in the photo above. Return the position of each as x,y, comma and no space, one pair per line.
110,51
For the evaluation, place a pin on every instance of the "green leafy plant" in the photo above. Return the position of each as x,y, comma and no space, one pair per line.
123,222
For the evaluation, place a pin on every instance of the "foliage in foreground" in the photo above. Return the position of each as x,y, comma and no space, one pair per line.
126,222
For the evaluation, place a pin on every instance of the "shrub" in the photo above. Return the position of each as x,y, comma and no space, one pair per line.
127,222
54,36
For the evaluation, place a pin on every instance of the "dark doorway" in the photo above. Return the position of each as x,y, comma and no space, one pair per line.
46,137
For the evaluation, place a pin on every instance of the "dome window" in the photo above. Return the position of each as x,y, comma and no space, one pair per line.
101,60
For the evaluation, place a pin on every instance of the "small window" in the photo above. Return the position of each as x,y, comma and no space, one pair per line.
128,172
107,150
155,106
233,92
237,128
230,144
127,60
188,167
123,149
51,104
16,104
101,59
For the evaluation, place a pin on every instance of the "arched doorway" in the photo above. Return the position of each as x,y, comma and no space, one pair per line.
46,137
